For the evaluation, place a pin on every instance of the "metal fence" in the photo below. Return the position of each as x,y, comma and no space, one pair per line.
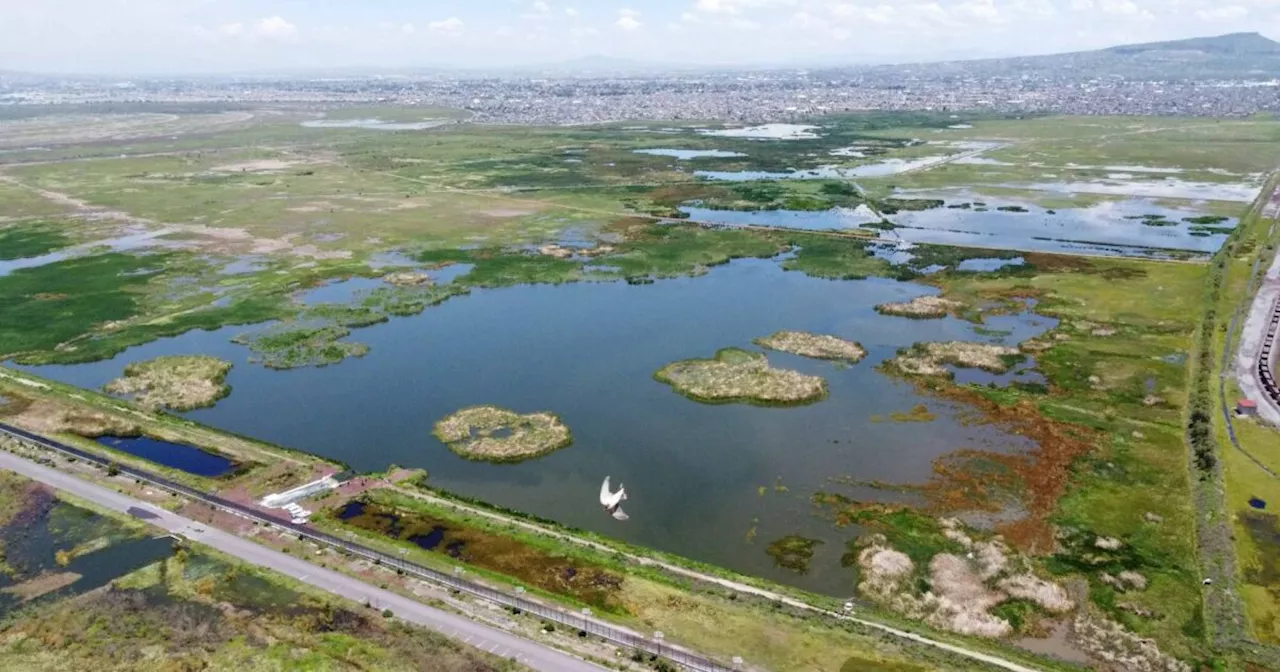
574,621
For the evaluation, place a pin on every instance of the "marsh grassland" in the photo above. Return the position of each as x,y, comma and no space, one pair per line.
1071,282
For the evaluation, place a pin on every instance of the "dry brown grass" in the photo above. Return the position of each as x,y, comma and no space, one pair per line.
817,346
741,376
180,383
474,434
921,308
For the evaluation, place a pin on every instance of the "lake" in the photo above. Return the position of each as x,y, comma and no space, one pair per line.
588,352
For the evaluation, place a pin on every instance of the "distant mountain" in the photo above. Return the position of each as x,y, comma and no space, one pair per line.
1234,44
1233,56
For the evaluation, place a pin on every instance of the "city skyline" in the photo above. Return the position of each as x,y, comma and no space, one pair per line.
147,37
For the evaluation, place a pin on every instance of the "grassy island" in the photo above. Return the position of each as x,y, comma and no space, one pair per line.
736,375
930,359
180,383
406,279
817,346
298,346
496,434
921,308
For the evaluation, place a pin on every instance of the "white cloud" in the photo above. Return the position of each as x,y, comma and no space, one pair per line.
450,25
571,11
275,28
541,7
267,28
628,20
1227,13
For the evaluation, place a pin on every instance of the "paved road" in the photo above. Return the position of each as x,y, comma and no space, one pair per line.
484,637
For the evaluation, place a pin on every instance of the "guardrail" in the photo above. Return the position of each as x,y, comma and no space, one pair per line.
581,623
1265,374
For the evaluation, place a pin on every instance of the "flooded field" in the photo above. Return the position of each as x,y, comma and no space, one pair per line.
1134,227
714,482
53,549
686,154
374,124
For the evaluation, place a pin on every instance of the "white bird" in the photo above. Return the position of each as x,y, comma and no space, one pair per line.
612,501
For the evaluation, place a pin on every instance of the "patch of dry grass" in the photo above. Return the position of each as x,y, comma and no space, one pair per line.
817,346
930,359
741,376
498,435
179,382
921,308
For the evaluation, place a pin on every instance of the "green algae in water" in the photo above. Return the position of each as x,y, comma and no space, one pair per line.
793,552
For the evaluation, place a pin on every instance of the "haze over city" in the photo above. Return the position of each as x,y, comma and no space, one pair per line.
208,36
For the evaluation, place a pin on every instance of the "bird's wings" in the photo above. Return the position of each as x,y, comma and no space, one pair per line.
619,514
606,497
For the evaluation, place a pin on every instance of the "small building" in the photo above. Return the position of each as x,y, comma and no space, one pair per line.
1247,407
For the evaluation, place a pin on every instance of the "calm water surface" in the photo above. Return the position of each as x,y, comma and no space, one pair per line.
187,458
588,352
1108,228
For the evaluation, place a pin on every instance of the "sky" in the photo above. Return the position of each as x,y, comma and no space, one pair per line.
209,36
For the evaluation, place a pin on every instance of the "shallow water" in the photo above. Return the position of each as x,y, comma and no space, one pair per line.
123,243
588,352
823,220
1104,228
883,168
373,124
686,154
31,545
767,132
1169,187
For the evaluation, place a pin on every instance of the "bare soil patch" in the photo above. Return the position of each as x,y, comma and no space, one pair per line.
42,585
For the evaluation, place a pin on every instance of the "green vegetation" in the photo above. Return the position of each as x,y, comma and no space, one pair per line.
20,242
393,516
48,305
793,552
295,346
197,611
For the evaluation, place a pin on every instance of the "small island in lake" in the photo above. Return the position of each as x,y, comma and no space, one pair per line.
179,383
921,308
817,346
930,359
736,375
496,434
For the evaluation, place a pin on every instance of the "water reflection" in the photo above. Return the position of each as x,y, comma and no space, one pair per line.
588,351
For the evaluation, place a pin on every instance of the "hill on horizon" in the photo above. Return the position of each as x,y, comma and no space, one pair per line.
1242,56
